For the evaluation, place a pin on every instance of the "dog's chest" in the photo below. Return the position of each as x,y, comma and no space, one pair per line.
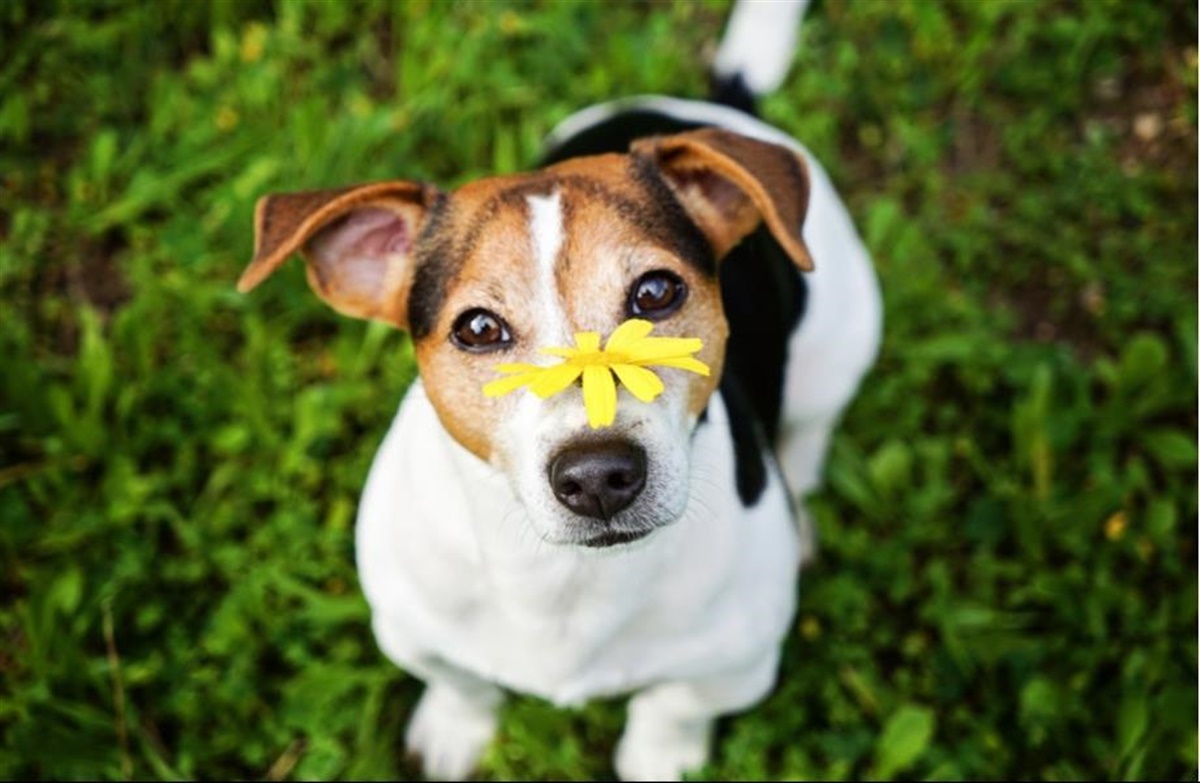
567,629
447,566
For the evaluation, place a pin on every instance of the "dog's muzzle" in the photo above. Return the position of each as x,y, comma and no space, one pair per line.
599,479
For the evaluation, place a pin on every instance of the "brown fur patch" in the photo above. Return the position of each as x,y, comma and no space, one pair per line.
605,257
493,271
606,248
729,183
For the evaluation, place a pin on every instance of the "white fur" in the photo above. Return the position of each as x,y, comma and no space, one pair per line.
473,584
546,235
546,230
451,728
466,595
526,442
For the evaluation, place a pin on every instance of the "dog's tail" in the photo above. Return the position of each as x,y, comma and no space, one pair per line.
756,51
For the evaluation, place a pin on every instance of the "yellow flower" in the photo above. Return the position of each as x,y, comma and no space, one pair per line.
253,38
1114,526
626,355
227,119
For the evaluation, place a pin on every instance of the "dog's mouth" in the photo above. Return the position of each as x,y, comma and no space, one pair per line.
615,538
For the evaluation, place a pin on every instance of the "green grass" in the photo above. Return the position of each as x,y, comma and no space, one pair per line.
1007,582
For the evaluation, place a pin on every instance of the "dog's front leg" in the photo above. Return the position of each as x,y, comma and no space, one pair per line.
453,724
669,726
456,717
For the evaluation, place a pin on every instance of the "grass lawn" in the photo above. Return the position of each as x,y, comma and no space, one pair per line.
1007,581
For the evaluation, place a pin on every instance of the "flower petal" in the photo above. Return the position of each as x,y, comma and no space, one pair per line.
652,349
642,383
684,363
502,386
519,367
632,331
599,396
552,380
587,342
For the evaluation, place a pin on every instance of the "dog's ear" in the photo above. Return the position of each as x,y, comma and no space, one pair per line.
729,184
358,243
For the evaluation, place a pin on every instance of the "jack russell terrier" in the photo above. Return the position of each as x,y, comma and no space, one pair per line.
508,543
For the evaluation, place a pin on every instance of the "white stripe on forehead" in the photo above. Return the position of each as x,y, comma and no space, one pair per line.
545,224
546,232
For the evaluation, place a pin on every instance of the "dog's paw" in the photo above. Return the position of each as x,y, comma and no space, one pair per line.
449,733
664,752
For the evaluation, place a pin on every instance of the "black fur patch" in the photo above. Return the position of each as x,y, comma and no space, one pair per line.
436,265
615,134
764,296
733,92
749,447
681,235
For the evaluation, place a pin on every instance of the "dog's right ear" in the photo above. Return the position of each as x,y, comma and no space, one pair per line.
358,244
730,184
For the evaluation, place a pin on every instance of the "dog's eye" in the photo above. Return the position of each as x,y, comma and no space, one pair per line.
656,295
479,331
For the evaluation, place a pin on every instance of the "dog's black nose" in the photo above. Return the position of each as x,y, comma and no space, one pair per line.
599,479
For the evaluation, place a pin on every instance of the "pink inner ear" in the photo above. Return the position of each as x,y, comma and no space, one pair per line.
712,188
371,233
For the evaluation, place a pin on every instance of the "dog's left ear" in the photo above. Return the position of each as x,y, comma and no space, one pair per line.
358,242
729,184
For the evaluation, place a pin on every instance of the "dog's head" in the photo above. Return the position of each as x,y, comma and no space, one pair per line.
502,267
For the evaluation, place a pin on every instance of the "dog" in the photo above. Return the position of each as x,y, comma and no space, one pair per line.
504,543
